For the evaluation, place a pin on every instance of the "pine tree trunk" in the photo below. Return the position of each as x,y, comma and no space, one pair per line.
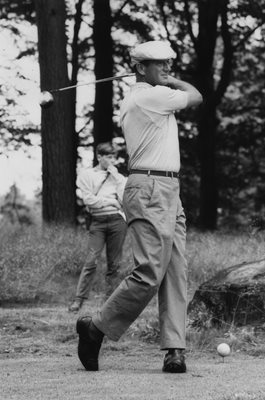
208,19
207,152
59,144
103,111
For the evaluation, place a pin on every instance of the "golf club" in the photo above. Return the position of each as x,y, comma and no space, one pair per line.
47,99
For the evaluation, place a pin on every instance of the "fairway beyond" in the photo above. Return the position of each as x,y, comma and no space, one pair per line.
38,360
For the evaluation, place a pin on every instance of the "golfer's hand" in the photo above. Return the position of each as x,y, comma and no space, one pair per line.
173,83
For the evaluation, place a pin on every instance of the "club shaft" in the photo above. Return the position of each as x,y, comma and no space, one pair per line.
111,78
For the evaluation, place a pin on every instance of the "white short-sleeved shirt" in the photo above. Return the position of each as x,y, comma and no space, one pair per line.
150,128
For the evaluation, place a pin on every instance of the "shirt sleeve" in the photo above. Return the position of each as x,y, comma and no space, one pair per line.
85,184
162,99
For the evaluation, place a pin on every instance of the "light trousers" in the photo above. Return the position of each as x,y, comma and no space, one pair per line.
158,232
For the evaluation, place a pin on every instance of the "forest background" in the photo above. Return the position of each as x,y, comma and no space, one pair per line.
43,245
220,49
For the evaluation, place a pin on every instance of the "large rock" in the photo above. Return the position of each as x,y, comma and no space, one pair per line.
235,295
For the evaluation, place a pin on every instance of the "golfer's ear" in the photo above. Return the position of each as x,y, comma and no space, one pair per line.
140,68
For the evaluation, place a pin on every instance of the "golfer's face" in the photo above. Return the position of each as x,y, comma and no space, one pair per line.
156,72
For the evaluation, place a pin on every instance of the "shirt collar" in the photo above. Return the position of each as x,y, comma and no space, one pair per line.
141,84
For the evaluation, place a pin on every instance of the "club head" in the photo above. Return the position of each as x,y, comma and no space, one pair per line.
46,99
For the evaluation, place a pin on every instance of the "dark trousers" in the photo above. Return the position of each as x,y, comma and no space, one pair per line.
109,230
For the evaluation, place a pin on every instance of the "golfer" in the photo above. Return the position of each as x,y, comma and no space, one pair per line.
153,211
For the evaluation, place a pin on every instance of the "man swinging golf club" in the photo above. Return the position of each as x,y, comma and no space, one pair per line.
153,211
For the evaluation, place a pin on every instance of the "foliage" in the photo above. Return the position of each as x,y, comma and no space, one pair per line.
16,128
240,117
241,140
15,208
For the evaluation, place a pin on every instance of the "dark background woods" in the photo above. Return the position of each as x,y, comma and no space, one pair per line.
220,48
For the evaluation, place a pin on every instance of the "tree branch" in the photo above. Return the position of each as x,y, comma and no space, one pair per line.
118,13
247,36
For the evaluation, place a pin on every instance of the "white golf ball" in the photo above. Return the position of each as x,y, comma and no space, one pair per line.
223,349
46,99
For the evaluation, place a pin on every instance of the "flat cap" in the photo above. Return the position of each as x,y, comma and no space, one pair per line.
153,50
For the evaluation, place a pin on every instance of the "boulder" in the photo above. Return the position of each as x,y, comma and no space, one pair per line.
234,296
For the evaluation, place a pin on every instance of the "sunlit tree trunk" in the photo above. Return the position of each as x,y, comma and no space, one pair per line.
59,147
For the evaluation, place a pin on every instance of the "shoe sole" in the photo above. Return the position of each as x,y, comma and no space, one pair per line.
175,368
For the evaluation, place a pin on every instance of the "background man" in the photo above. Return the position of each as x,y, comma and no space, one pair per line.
153,210
102,191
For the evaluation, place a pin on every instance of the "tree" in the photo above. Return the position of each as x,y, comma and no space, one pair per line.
59,144
205,46
103,109
216,52
211,55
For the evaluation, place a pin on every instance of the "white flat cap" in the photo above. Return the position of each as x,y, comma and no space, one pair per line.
153,50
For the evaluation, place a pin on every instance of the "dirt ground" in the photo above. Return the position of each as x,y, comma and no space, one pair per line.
38,360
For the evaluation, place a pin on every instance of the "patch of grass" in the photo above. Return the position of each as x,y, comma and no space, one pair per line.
43,264
244,396
30,257
209,252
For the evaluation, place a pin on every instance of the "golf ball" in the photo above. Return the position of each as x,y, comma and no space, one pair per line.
223,349
46,99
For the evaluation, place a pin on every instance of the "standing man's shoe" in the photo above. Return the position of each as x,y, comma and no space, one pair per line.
174,362
90,339
75,305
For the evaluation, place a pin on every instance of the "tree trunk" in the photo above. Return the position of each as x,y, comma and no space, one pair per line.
210,14
59,146
208,19
207,152
103,111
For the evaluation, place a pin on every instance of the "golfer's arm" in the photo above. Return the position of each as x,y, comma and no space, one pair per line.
194,96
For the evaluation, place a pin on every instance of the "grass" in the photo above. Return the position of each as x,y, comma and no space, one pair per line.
208,253
30,258
35,261
43,265
243,396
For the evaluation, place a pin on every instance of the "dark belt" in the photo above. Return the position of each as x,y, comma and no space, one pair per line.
170,174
